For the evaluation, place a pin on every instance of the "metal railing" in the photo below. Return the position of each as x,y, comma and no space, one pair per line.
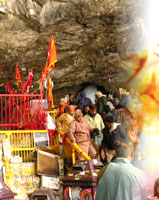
21,142
74,147
21,111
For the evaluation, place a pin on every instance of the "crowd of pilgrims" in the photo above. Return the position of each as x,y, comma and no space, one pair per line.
95,127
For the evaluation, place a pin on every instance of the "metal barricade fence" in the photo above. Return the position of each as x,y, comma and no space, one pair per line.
21,111
21,142
22,115
74,147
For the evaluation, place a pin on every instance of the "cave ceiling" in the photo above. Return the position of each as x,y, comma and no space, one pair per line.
91,37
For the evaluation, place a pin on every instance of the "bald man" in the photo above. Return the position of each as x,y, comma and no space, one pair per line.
65,119
79,133
62,124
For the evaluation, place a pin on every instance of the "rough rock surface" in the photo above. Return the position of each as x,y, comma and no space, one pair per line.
91,38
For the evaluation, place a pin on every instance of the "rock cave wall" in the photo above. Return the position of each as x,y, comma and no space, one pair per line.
91,37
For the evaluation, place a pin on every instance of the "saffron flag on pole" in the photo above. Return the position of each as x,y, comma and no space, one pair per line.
17,74
18,79
50,96
50,62
42,78
52,56
23,87
28,83
30,78
8,87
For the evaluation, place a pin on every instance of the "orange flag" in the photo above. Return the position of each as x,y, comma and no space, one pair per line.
50,96
50,62
17,74
52,56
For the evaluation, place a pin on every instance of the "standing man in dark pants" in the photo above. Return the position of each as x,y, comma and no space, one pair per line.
107,151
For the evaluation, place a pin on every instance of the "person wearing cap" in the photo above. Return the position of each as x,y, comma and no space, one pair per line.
107,151
80,133
62,105
84,100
